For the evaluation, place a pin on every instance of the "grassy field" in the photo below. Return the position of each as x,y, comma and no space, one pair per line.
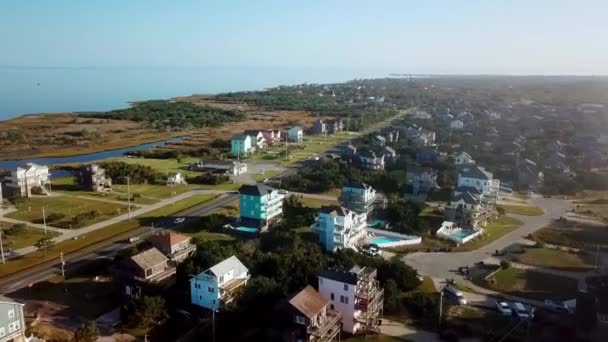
312,145
115,232
26,237
61,211
316,203
495,230
267,174
552,258
163,166
530,284
526,210
576,235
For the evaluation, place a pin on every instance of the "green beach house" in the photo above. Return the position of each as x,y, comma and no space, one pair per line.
241,145
261,206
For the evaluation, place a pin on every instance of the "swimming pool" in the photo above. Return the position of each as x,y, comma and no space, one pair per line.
383,240
462,234
247,229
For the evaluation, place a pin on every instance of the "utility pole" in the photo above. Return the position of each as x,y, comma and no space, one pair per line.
129,195
597,258
213,325
440,305
62,265
1,246
44,219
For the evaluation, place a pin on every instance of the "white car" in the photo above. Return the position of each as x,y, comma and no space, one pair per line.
521,312
504,308
179,220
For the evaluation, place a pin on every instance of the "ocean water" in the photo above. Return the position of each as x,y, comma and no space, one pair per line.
26,90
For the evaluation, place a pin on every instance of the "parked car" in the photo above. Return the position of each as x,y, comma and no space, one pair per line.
520,311
371,250
454,294
504,308
179,220
556,307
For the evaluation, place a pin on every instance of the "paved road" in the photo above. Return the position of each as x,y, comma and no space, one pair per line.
106,249
444,265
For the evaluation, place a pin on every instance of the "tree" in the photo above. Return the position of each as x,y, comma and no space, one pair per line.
143,311
87,332
44,243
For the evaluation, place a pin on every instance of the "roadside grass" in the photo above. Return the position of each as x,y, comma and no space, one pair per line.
470,320
316,202
521,196
152,191
596,209
427,286
115,232
526,210
493,231
24,238
531,284
582,236
464,288
163,166
66,209
556,259
267,174
66,186
224,186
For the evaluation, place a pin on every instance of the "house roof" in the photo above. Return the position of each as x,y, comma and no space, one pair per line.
390,150
366,152
466,196
149,258
227,265
309,302
240,137
259,189
475,171
347,277
356,185
334,210
168,238
465,155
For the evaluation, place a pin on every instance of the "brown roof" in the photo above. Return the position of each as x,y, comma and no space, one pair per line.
168,239
148,259
309,302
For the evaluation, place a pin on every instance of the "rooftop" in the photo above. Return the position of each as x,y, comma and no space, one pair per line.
259,189
227,265
149,258
168,238
342,276
309,302
475,171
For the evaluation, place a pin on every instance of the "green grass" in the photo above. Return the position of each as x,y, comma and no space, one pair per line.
66,186
113,232
526,210
267,174
163,166
531,284
30,210
493,231
27,237
153,191
552,258
316,203
597,209
427,286
575,235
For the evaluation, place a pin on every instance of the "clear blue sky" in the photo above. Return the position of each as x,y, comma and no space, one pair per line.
423,36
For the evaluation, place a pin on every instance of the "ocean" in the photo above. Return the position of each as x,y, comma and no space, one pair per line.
27,90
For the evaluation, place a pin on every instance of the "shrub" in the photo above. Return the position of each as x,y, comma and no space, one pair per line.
53,217
504,264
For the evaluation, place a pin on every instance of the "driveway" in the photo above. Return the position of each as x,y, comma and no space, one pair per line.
444,265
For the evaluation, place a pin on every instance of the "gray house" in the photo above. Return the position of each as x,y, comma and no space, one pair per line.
12,322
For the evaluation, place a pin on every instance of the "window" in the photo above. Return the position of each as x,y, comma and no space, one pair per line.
12,328
11,314
344,299
345,287
331,307
210,289
300,320
332,296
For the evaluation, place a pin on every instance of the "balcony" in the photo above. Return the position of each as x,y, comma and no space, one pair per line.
328,328
230,288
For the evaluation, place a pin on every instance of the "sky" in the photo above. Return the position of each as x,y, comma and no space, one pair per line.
422,36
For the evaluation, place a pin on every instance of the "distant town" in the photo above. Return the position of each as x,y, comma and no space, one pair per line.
395,209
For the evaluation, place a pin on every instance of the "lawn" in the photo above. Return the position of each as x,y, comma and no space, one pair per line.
267,174
531,284
576,235
164,166
526,210
113,232
316,203
552,258
493,231
65,211
152,191
23,238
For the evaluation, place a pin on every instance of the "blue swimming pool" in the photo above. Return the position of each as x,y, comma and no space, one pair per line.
382,240
247,229
461,234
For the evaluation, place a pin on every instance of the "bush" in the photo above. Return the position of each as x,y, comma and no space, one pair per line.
53,217
16,229
504,264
